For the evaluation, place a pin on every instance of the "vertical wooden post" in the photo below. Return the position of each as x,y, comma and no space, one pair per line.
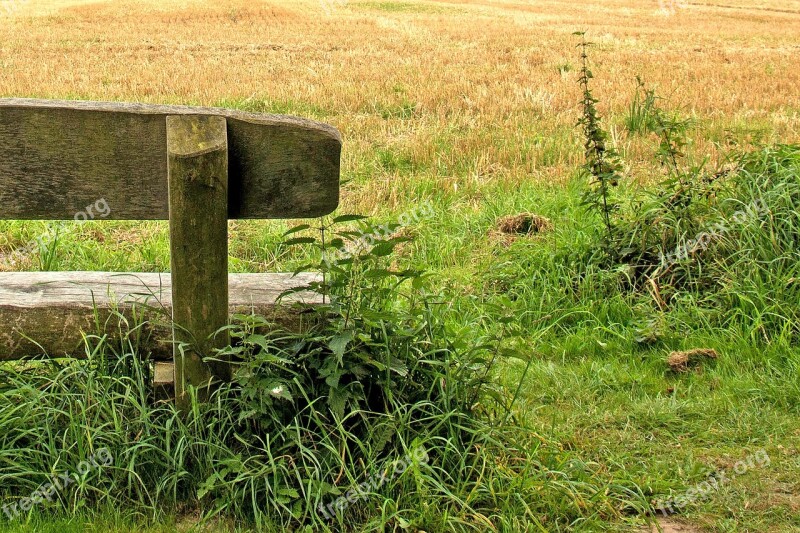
197,160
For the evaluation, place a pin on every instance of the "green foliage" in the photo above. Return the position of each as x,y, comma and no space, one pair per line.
662,218
657,220
382,372
752,267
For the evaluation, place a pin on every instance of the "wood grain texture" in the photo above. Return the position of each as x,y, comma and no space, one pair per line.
47,313
57,157
197,173
164,382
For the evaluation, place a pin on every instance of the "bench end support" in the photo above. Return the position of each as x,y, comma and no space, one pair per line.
197,160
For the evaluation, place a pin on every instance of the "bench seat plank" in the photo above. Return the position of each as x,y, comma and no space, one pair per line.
54,308
58,157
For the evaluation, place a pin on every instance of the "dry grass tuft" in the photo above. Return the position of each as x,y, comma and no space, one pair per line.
523,224
509,228
682,361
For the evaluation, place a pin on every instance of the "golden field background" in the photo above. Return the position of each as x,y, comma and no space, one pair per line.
440,95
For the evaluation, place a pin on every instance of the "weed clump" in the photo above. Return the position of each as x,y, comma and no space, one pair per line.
724,237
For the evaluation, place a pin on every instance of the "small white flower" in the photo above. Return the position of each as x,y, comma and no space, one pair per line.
277,391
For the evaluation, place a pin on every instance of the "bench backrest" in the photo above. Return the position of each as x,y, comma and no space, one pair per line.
57,157
196,167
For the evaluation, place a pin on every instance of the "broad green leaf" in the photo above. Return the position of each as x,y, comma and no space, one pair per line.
300,240
295,229
339,343
348,218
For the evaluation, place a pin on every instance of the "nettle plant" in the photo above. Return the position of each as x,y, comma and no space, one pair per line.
640,228
602,166
356,349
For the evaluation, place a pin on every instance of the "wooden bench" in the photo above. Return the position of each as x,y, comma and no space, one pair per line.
197,168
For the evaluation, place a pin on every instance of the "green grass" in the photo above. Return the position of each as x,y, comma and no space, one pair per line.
270,462
591,390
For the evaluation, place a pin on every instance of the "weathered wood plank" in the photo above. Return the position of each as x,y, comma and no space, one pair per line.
55,309
164,381
197,173
58,157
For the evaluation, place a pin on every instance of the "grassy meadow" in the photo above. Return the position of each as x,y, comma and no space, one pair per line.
470,109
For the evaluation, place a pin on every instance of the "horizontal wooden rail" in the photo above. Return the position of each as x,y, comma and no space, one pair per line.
56,308
58,157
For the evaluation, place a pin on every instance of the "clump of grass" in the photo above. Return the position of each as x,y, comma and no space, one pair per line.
752,266
725,237
641,117
47,247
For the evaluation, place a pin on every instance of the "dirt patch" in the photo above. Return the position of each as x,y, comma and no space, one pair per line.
523,224
682,361
509,228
